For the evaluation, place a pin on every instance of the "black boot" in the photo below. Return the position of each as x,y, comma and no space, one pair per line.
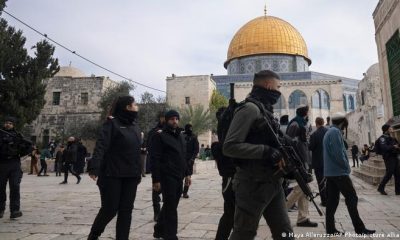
15,214
1,214
79,179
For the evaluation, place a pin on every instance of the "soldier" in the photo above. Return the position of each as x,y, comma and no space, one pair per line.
299,131
12,148
257,192
389,148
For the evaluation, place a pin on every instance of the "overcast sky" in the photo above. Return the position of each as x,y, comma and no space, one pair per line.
149,40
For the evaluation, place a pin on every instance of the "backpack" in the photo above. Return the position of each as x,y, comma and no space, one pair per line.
224,115
377,147
224,118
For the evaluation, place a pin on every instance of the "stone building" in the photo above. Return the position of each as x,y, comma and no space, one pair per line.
387,24
269,43
71,100
365,123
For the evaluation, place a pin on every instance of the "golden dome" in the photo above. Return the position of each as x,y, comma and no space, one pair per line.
267,35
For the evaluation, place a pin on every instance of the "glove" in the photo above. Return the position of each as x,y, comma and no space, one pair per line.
273,155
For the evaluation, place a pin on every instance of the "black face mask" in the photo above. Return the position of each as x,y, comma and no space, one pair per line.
265,96
127,116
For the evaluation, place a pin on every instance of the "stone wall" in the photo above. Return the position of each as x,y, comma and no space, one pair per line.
365,123
73,109
195,89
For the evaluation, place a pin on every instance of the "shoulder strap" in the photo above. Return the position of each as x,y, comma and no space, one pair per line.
260,106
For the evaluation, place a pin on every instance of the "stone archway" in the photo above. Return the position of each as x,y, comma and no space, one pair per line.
296,99
280,106
320,104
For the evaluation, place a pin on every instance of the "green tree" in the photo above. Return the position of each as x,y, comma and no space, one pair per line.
197,116
109,96
217,101
21,76
149,108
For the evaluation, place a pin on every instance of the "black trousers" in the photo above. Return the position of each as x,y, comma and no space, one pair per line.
391,165
319,175
155,197
117,196
355,159
167,222
43,167
68,167
10,172
225,225
190,166
344,185
58,167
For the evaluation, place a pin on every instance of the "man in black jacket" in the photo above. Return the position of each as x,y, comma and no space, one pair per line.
169,169
389,147
155,196
192,149
317,162
70,156
12,148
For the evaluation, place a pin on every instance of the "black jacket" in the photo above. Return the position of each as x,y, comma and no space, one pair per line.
70,154
168,150
316,147
117,151
386,145
354,150
150,135
80,161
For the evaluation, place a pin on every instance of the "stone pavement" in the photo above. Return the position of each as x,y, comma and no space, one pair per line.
58,212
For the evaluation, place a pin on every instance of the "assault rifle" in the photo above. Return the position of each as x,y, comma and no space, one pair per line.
27,145
294,168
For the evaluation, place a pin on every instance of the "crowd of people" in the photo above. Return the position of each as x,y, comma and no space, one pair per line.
248,157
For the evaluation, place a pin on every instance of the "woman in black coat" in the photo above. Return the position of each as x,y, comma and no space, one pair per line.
116,166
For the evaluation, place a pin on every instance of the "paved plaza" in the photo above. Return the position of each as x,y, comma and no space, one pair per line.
58,212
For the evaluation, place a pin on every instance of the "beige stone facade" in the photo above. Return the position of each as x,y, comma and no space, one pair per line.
183,91
365,123
387,23
71,100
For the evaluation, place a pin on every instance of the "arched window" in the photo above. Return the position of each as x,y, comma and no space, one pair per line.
320,100
362,98
281,104
351,103
297,98
344,102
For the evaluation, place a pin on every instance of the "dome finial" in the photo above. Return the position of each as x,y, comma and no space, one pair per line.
265,9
